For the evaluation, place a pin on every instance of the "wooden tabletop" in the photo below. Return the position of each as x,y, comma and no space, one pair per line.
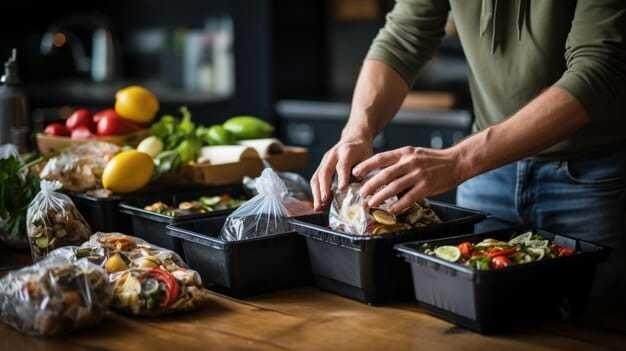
309,319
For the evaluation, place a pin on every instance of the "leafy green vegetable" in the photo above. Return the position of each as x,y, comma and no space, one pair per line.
17,188
180,142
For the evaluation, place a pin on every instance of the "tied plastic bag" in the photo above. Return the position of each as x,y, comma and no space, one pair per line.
79,168
267,212
297,186
53,221
350,213
147,280
55,296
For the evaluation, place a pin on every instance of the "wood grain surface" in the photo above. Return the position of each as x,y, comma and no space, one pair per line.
309,319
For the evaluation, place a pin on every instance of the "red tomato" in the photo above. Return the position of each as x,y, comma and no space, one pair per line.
81,118
110,124
58,129
500,262
172,287
564,251
466,249
81,133
104,113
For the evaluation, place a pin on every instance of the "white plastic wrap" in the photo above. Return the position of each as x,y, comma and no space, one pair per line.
53,221
55,296
8,151
350,213
267,212
79,168
297,186
147,280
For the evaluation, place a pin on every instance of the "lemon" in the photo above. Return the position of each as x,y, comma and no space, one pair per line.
128,171
448,253
136,104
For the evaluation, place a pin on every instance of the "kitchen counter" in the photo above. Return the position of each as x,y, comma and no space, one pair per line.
309,319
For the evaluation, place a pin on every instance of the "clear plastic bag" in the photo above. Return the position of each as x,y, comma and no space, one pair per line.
53,221
18,187
297,186
350,213
79,168
8,151
55,296
147,280
267,212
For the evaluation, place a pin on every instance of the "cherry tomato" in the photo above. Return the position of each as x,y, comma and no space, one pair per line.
564,251
58,129
81,118
81,133
466,249
109,123
104,113
499,262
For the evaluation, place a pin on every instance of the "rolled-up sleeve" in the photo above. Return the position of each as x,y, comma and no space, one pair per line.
596,57
411,34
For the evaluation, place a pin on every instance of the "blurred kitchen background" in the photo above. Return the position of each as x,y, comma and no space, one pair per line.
293,63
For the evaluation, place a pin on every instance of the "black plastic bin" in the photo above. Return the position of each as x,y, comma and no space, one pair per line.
364,267
102,214
246,267
151,226
495,300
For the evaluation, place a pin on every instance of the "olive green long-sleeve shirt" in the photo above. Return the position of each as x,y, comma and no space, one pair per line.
516,49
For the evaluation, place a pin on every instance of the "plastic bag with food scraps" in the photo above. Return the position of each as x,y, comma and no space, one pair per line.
55,296
53,221
147,280
79,168
350,213
267,212
297,186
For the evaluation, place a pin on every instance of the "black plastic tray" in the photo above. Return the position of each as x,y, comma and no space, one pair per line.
102,214
151,226
247,267
494,301
364,267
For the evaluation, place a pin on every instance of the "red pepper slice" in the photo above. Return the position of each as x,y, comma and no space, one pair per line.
501,251
172,287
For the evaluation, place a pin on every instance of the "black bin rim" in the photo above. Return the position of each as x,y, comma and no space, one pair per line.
176,230
473,216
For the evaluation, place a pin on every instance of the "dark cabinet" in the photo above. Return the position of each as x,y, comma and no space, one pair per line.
317,126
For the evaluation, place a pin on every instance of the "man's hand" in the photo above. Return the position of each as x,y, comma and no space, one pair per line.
341,158
418,171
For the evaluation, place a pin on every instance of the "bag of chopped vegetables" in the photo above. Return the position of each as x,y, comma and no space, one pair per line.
79,168
350,213
266,213
147,280
18,187
53,221
55,296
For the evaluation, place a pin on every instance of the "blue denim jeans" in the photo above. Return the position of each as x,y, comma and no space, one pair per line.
584,197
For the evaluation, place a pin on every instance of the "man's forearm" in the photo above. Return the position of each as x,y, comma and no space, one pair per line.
548,119
378,95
